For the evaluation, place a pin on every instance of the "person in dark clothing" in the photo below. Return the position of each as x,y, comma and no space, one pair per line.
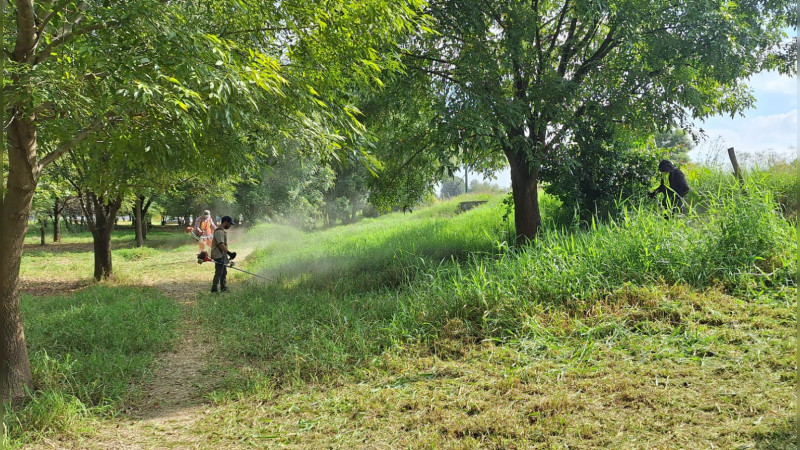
674,190
221,255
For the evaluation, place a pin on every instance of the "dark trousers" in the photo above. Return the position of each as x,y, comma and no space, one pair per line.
220,273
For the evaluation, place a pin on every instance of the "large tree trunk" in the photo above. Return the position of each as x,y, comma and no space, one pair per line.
101,237
101,215
15,370
524,187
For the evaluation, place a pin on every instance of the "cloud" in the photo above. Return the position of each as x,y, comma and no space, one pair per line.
774,83
774,133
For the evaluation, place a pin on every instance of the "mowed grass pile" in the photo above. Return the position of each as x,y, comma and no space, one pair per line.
365,322
87,351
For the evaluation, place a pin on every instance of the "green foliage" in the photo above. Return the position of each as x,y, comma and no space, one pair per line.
402,125
478,187
290,190
607,169
88,350
676,142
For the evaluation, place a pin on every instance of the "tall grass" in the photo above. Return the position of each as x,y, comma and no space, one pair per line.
416,278
87,351
375,253
739,243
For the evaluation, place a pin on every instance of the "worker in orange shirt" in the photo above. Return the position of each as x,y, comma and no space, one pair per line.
204,230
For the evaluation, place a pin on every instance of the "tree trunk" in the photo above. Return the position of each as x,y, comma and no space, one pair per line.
101,237
56,221
524,187
101,215
146,219
139,220
15,369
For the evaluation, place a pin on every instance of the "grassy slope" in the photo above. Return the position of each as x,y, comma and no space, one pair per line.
586,339
425,329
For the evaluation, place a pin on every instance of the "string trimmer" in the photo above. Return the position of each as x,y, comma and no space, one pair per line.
204,257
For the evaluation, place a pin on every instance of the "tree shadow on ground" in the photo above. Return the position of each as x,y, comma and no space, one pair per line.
784,437
40,288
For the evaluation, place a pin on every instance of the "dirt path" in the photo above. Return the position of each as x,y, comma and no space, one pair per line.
171,402
176,396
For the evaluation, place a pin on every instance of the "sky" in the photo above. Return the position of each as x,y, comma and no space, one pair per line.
770,127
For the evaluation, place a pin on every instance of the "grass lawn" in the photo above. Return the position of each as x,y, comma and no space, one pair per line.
430,330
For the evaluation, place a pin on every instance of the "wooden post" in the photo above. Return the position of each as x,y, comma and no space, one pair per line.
736,170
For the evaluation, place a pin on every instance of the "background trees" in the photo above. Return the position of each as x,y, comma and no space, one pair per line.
520,75
452,187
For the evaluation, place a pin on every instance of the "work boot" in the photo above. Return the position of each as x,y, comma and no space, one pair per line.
224,289
214,289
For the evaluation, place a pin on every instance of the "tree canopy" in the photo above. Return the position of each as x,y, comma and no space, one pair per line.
518,75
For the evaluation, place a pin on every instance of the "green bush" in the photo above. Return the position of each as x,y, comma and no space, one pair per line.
604,169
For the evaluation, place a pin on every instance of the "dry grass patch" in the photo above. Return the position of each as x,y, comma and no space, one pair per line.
711,371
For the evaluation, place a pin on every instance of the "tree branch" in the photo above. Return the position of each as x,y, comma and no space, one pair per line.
557,30
46,21
491,12
428,58
77,139
47,51
566,49
26,31
608,44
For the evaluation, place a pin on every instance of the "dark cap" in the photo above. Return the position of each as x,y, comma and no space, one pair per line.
665,166
226,219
